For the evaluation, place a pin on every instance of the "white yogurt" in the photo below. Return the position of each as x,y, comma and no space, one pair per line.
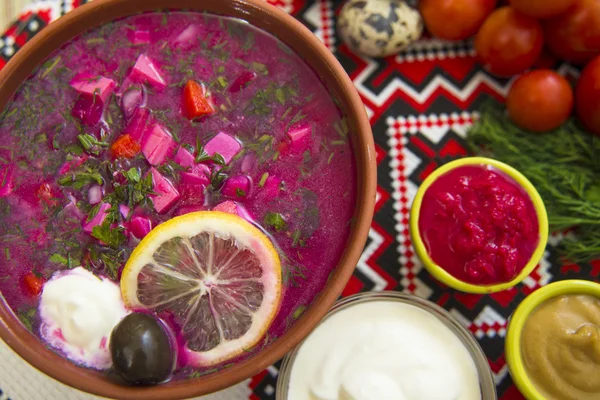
78,312
383,350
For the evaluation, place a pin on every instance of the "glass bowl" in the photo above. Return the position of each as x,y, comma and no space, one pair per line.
486,380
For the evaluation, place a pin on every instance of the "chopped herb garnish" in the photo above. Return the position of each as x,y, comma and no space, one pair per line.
240,192
49,66
222,81
275,221
338,142
91,144
59,259
330,158
275,156
296,118
26,318
113,237
341,127
296,238
260,68
133,175
280,95
298,312
7,253
95,41
79,179
9,114
263,179
249,41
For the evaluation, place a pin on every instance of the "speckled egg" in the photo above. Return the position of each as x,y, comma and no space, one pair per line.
379,28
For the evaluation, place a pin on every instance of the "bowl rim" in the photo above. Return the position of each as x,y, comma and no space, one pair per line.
487,385
303,42
441,274
514,358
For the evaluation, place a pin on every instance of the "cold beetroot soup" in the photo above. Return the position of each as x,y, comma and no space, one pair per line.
478,224
155,116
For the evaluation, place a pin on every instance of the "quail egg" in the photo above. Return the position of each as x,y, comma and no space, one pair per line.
379,28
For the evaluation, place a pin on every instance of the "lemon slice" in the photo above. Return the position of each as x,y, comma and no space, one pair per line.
216,273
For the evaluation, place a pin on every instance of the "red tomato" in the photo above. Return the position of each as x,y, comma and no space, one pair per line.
509,42
575,35
33,284
125,146
540,100
455,19
587,96
195,103
541,8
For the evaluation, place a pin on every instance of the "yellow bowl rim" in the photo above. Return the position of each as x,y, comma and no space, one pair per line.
517,321
441,274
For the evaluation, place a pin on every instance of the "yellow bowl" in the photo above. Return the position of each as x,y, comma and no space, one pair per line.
441,274
517,320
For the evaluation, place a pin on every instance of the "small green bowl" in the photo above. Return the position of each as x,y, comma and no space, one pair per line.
517,321
440,273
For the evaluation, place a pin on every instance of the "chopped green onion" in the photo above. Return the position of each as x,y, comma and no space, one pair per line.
263,179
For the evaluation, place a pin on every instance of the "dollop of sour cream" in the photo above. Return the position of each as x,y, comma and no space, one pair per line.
78,312
383,350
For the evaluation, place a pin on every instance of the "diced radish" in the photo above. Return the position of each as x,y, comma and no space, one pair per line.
300,138
189,209
242,81
237,187
133,98
98,218
144,71
272,186
74,163
166,195
187,37
202,169
184,158
140,124
248,163
124,210
138,37
7,183
158,145
93,91
223,144
242,212
194,179
94,88
72,208
227,207
191,194
88,111
140,226
95,194
231,207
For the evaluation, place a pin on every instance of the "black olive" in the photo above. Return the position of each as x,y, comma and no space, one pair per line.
141,350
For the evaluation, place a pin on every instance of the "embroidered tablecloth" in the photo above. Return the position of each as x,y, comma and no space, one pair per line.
420,104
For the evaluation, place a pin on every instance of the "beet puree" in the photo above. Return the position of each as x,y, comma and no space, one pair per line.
479,225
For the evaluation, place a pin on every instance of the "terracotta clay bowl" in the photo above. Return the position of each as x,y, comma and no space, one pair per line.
315,54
